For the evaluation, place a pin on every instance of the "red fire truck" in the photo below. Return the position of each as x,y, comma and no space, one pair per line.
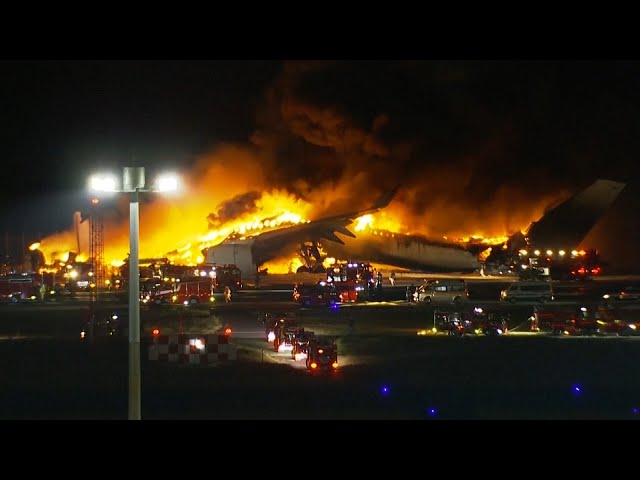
21,287
351,279
222,276
187,291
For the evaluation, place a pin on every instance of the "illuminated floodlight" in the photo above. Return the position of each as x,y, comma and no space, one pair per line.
133,182
167,183
103,183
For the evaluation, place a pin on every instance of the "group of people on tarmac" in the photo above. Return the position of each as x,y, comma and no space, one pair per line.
378,277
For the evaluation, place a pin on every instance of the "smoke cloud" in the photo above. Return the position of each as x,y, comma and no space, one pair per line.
478,148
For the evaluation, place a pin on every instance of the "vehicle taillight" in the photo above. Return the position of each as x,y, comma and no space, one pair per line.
155,332
227,331
334,364
313,365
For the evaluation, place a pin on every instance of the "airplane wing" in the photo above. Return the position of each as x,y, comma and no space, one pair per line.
253,251
322,229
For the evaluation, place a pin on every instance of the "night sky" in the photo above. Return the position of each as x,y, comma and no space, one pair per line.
482,135
62,120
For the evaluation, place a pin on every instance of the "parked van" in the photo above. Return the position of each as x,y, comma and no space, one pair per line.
443,291
528,291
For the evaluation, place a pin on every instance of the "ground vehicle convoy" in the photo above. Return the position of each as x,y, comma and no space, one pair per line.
443,291
322,354
528,291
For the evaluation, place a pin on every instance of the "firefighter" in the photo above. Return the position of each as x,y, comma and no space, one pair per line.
227,294
410,291
535,326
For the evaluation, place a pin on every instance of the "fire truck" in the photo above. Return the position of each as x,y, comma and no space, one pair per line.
21,287
156,290
222,276
227,276
579,265
538,263
186,291
351,279
595,320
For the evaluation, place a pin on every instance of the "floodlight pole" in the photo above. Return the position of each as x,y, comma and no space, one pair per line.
134,308
133,182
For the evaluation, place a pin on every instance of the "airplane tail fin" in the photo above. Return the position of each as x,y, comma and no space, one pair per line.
566,225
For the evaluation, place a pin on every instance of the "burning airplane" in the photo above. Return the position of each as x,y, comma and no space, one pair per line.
565,225
254,232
